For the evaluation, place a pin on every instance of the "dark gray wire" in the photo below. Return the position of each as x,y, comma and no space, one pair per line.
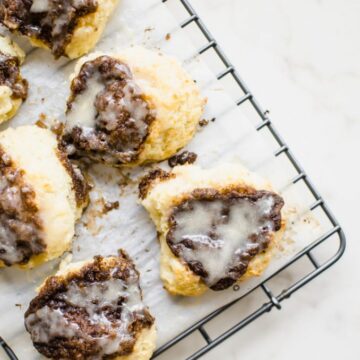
7,349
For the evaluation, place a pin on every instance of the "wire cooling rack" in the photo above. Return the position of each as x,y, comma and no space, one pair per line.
335,234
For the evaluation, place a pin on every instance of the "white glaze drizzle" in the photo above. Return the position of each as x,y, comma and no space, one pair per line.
11,202
246,218
8,244
93,298
58,24
83,112
137,109
39,6
56,325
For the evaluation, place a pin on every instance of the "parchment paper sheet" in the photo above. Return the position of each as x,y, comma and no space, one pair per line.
231,138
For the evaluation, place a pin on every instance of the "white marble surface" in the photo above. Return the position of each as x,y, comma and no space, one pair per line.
302,61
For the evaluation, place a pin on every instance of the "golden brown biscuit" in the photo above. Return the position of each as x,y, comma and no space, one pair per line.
216,226
13,88
70,27
130,108
92,310
41,197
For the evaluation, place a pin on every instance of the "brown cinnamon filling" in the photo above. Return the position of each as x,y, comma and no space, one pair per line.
96,313
10,76
148,180
186,157
218,233
111,123
52,21
20,226
81,187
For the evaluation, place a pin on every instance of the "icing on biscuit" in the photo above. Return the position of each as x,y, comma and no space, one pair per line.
51,21
108,118
218,234
95,313
10,76
20,225
42,194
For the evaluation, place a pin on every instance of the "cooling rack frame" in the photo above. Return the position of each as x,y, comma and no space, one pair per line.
336,230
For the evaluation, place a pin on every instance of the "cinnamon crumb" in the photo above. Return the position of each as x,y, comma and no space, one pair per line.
203,122
108,206
186,157
58,128
41,121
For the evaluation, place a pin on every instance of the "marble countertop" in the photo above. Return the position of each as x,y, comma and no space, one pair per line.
301,59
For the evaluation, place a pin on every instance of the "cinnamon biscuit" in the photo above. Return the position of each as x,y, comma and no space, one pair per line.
92,310
130,108
41,196
13,88
67,27
216,226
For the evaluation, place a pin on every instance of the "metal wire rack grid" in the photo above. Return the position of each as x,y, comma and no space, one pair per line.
319,203
264,122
